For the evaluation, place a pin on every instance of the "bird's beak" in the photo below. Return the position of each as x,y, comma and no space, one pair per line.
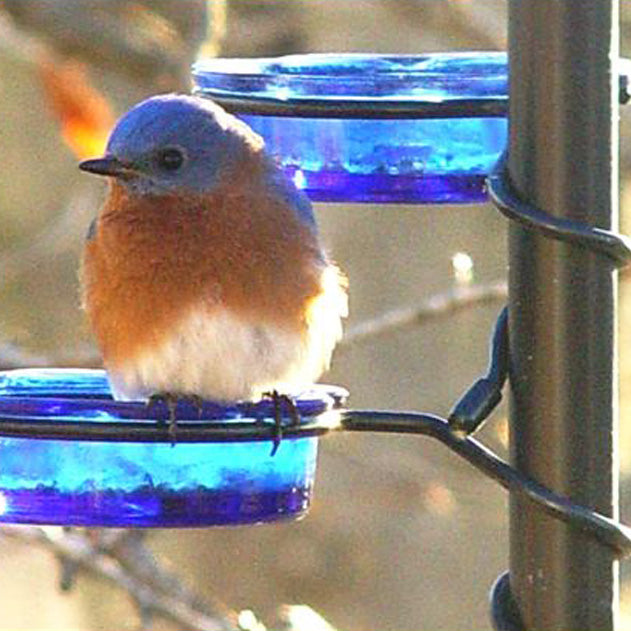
108,165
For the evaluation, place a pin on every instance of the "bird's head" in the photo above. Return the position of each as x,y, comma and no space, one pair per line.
174,143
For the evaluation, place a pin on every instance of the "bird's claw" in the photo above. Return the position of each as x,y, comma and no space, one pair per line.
170,400
279,400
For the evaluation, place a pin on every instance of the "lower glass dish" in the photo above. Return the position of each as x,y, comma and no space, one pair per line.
152,481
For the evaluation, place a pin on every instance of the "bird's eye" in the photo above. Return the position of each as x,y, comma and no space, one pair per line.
170,159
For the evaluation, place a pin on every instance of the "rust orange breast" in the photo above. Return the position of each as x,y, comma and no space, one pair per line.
152,260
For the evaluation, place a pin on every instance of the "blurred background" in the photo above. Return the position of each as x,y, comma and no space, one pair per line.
403,536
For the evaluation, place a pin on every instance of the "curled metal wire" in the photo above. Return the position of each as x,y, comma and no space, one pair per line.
613,245
617,247
605,529
504,611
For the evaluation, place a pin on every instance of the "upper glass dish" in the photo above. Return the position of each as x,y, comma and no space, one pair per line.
360,85
372,128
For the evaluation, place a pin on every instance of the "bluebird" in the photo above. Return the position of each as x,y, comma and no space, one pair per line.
203,274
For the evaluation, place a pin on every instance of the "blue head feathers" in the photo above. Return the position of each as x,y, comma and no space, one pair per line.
182,144
176,142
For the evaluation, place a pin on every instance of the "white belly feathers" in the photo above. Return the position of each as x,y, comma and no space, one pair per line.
218,356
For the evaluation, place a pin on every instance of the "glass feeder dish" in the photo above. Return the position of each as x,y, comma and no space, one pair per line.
71,455
372,128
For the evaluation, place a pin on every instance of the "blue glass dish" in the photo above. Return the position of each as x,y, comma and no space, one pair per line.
372,128
71,455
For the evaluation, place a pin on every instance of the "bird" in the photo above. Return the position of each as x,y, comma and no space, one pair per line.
203,274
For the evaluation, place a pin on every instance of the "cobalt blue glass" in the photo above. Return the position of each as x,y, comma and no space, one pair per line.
372,128
71,455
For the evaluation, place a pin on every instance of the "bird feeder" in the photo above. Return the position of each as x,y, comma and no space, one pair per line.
353,128
359,128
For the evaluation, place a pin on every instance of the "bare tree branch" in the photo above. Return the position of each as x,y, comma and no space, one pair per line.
82,551
121,557
13,357
449,302
440,305
158,39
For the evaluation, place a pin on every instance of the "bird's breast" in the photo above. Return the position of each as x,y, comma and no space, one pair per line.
152,261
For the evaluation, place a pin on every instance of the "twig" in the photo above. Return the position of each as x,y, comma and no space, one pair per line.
121,557
127,547
452,301
13,357
76,548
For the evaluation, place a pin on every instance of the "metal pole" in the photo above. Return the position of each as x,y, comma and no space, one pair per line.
563,159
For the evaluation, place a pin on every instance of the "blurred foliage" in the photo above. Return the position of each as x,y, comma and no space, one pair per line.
148,41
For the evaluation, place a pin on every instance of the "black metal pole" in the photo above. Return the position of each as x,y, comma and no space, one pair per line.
563,159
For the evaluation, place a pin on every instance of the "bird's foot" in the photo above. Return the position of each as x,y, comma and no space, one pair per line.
281,400
170,400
